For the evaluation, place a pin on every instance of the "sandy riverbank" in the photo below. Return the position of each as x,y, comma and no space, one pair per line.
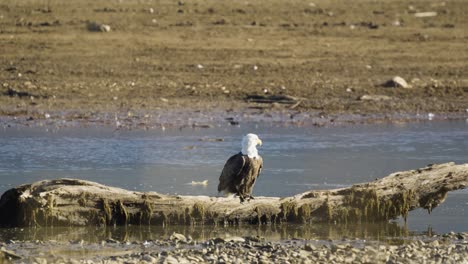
320,58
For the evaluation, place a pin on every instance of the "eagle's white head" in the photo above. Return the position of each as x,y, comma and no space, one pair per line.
249,145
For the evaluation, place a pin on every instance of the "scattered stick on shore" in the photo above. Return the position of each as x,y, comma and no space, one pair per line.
72,202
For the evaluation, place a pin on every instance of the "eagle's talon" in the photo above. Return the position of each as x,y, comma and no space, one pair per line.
242,199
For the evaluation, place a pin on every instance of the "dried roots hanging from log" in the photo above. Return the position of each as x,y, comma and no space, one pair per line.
72,202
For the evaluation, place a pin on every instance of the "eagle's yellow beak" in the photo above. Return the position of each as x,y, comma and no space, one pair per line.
259,142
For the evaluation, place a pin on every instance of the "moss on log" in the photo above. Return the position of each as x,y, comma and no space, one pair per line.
72,202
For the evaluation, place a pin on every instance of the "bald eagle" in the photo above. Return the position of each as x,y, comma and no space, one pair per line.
241,170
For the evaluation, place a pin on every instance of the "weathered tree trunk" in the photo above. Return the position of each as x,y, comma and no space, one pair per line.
71,202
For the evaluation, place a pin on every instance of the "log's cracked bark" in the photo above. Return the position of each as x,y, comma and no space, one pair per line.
72,202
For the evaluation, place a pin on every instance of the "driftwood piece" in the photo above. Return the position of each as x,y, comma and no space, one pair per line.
71,202
269,99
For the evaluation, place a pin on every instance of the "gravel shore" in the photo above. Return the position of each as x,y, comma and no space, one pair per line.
448,248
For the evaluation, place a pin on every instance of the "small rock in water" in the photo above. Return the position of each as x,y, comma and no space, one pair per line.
178,237
111,240
235,239
204,183
430,116
396,82
218,240
309,247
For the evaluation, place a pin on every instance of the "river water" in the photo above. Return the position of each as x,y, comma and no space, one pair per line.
296,159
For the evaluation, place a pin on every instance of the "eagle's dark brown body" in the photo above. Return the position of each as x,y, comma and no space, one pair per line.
239,175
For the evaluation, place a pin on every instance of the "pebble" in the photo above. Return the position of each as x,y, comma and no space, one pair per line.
170,260
396,23
369,97
97,27
235,239
397,82
309,247
425,14
148,258
178,237
448,248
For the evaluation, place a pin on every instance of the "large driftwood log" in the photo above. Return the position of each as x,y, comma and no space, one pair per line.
67,202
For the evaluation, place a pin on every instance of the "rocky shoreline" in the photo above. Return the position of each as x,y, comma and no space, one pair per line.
210,118
447,248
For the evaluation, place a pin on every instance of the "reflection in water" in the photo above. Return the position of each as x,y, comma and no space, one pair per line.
380,231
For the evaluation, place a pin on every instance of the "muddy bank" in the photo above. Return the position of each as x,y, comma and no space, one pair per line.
187,118
87,60
177,248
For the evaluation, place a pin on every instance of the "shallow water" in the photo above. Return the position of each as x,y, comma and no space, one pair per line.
295,159
370,231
